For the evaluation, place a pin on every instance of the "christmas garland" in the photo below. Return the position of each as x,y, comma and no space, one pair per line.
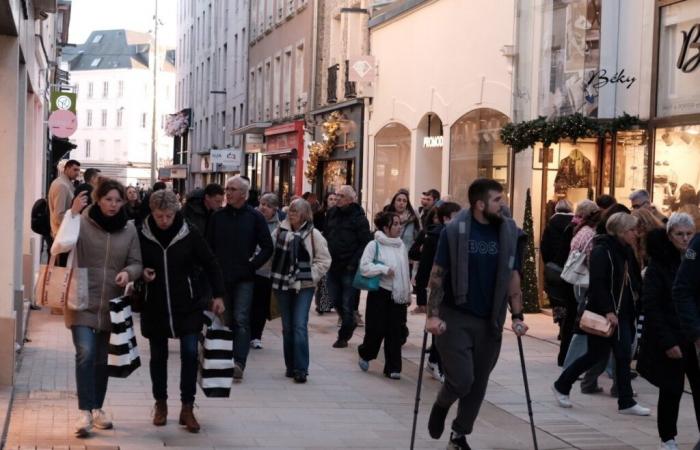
321,150
522,135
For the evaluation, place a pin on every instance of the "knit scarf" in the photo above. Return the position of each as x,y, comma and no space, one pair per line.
291,262
110,224
401,281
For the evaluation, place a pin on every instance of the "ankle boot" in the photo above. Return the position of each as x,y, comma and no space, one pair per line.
160,415
187,418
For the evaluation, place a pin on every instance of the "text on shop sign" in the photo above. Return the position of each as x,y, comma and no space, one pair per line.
433,141
691,40
601,78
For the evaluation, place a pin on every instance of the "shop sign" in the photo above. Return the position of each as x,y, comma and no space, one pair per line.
228,159
362,69
64,101
164,173
281,143
63,123
433,141
179,173
254,143
691,41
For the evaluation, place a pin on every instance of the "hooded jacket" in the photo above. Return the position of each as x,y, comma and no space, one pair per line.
347,234
195,211
556,239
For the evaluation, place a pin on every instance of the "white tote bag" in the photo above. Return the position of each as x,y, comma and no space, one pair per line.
575,270
67,235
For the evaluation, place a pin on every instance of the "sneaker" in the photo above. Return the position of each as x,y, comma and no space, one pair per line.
394,375
340,343
636,410
364,365
562,399
100,420
358,319
436,422
669,445
458,443
84,424
237,371
300,377
256,344
434,371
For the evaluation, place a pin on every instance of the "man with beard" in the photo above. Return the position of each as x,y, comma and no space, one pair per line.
474,277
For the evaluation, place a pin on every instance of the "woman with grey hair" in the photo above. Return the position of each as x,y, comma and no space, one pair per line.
299,261
172,252
262,285
666,357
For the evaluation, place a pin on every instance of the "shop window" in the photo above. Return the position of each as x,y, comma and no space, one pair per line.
676,178
630,167
476,151
392,159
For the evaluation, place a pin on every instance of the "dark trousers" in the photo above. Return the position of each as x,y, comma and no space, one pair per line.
598,348
434,353
91,353
260,309
158,366
239,298
421,295
384,321
345,298
469,349
671,392
567,330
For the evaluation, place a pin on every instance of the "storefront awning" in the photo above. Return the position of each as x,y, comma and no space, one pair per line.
281,151
253,128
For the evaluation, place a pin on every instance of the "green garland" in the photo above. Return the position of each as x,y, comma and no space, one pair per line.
522,135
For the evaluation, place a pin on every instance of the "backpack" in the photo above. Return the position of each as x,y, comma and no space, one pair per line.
40,219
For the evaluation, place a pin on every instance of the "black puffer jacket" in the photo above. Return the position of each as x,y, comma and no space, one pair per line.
686,291
347,233
427,254
556,239
172,305
195,211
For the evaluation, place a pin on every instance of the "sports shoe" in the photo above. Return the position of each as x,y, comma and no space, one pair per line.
636,410
237,371
394,375
562,399
458,443
434,371
100,420
340,343
364,365
256,344
300,377
83,426
669,445
358,319
436,422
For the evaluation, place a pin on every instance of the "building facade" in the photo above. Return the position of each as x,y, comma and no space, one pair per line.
30,38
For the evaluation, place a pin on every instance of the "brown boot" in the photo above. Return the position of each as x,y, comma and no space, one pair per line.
187,418
160,414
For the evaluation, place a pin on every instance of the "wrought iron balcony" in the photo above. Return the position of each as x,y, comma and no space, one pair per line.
350,91
332,94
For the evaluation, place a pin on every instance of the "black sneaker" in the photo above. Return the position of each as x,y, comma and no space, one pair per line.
340,343
436,422
458,443
300,377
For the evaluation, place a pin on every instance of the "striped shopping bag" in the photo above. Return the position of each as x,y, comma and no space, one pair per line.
123,356
216,358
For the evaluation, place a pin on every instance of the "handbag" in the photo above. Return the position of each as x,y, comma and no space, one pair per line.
123,357
364,283
67,234
61,287
575,270
596,324
216,358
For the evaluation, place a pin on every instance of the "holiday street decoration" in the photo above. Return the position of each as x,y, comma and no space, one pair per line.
529,283
321,150
177,124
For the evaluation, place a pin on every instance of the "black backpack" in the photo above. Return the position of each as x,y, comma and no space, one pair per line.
41,221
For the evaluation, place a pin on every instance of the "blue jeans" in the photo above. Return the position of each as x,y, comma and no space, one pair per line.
91,350
342,293
239,299
294,307
158,366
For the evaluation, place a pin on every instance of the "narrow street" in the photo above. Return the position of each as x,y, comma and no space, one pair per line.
339,408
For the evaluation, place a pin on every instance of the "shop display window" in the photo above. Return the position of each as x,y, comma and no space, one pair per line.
676,170
631,156
476,151
392,160
337,174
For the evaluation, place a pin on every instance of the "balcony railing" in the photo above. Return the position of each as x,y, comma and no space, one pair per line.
332,94
350,91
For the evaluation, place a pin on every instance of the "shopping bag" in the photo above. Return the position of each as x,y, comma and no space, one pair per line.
123,356
363,283
216,358
67,234
58,287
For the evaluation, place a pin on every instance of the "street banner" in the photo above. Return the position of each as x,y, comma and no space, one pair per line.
64,101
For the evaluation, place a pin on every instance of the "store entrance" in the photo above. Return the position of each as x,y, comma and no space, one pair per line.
282,179
336,174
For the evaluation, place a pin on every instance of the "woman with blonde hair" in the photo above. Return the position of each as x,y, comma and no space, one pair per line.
647,222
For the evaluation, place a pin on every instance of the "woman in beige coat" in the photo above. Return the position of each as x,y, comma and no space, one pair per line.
108,247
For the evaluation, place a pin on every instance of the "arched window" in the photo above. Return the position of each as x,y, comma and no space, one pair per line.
392,159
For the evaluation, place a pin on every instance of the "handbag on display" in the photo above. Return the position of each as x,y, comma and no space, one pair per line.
575,270
123,356
216,358
364,283
60,287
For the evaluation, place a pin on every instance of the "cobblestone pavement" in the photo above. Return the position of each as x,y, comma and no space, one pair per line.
339,408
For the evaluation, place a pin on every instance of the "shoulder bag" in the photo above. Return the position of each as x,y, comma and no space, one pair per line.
575,270
597,324
364,283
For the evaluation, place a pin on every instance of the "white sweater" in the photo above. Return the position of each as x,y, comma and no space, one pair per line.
391,255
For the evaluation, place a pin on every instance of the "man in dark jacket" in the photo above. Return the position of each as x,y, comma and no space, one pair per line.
201,204
235,232
686,293
347,233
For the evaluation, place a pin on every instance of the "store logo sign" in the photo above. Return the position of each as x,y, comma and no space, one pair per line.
601,78
691,41
433,141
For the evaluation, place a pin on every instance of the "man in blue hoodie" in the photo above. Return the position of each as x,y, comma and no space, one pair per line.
234,233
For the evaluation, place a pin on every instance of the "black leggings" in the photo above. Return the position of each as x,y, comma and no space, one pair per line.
671,392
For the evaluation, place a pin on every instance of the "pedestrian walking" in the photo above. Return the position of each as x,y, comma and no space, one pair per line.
262,286
347,234
91,179
615,282
646,223
428,200
201,204
410,223
474,277
172,251
133,205
385,316
666,356
108,247
300,259
61,193
323,300
240,238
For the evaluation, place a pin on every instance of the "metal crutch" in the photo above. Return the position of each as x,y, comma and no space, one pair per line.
420,382
527,386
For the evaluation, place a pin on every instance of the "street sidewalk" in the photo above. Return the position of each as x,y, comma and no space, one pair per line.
339,408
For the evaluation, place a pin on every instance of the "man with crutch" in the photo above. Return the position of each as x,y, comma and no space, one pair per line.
474,277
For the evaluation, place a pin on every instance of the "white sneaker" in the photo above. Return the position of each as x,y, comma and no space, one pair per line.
434,371
562,400
256,344
100,420
636,410
669,445
84,424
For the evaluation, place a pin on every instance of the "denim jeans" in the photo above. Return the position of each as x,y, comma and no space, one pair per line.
294,308
239,299
343,294
158,366
91,350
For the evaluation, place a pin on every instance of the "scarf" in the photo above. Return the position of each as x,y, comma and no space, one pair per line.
165,237
291,262
401,281
110,224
